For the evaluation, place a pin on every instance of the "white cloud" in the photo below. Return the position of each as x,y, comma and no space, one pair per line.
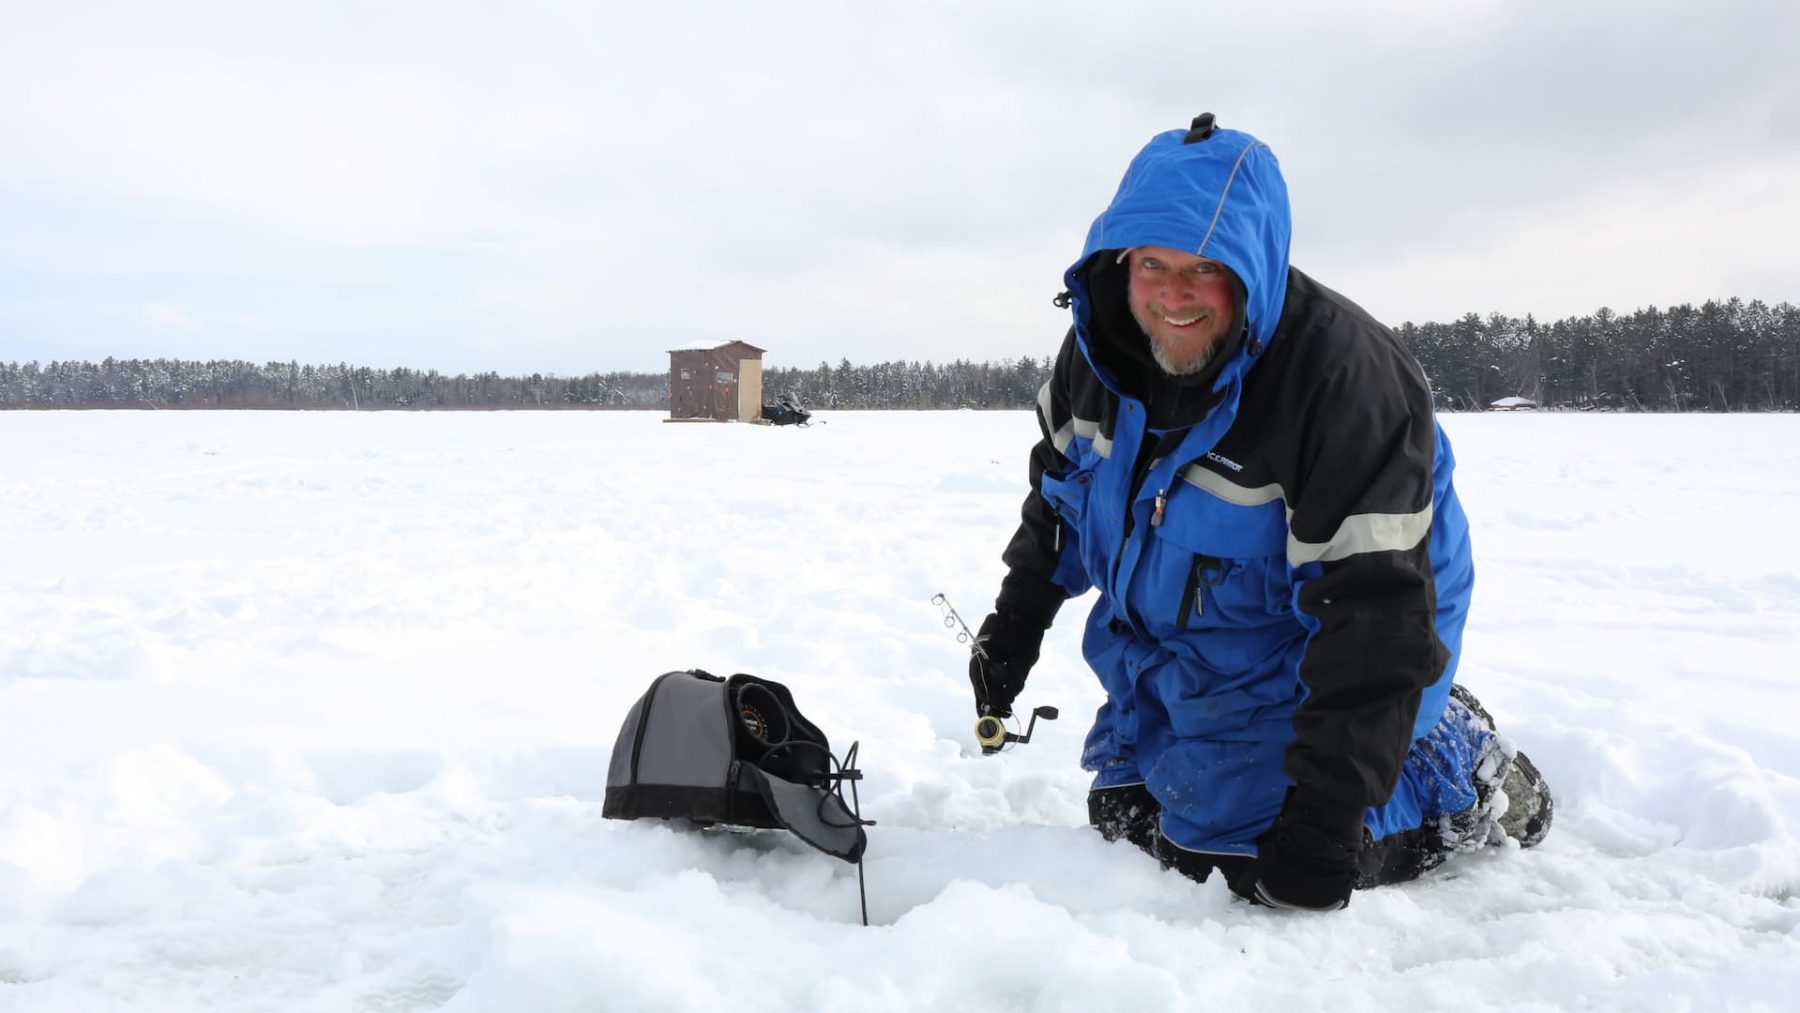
883,182
1635,245
167,318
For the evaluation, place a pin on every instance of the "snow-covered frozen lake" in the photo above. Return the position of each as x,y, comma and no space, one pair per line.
313,712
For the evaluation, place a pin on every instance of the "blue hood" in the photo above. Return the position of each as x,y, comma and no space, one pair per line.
1222,198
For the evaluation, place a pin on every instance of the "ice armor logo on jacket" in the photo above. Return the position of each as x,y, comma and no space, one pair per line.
1226,461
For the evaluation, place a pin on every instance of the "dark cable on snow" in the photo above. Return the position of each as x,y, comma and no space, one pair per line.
831,782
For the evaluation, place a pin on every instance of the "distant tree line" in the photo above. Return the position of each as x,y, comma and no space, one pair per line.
178,383
960,384
1720,356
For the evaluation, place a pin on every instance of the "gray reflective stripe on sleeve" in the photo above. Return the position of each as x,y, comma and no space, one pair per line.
1357,534
1363,533
1062,435
1091,430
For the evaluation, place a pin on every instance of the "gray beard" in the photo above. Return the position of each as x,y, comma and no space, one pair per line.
1181,367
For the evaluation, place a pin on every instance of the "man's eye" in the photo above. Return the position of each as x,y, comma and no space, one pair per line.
1206,269
1150,264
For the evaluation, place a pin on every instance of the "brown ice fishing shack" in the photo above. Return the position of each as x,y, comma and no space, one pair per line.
721,383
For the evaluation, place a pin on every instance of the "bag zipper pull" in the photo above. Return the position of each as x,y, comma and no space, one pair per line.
1162,500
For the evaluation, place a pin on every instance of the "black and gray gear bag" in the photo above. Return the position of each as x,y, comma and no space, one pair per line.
733,751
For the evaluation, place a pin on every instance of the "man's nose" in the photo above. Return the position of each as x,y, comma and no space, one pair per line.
1180,288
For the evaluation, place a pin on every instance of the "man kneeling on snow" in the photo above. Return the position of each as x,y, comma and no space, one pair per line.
1246,466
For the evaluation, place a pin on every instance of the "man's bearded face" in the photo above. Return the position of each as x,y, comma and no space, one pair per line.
1183,302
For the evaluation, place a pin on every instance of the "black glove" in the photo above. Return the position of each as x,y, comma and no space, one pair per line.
1011,644
1307,859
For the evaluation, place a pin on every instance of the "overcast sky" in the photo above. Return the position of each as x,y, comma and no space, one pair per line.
571,187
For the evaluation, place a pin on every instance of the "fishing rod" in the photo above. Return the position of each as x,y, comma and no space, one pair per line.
990,730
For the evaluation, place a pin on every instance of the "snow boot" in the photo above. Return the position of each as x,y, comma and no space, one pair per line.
1509,790
1127,812
1528,803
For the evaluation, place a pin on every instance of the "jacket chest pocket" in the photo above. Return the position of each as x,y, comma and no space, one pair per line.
1218,565
1067,493
1232,593
1070,496
1206,572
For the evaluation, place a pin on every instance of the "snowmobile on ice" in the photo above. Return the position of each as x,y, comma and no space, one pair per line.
786,411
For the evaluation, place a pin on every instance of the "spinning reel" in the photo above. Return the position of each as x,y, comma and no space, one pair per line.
991,732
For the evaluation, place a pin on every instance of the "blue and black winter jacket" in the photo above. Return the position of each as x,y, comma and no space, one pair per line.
1294,613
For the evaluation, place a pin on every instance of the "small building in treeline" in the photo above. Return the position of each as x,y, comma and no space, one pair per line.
721,383
1513,404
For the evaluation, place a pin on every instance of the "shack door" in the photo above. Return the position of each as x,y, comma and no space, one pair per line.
749,406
